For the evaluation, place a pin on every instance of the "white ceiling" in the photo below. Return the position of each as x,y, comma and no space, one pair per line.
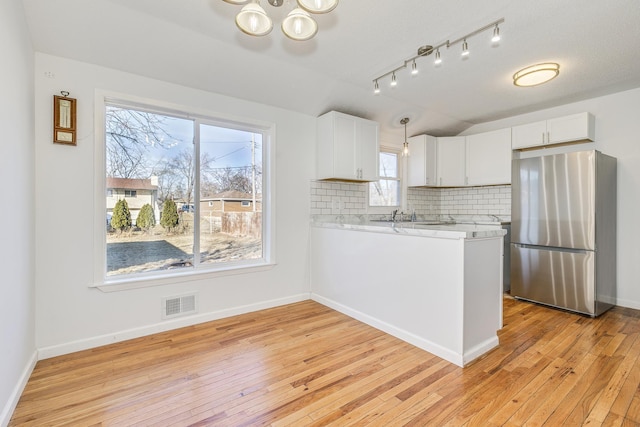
195,43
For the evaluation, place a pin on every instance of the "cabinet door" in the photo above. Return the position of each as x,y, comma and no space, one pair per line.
422,162
345,164
529,135
451,161
368,150
576,127
489,158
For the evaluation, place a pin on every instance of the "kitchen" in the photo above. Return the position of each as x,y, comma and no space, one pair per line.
57,296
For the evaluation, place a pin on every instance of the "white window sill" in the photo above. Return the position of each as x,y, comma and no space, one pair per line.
189,275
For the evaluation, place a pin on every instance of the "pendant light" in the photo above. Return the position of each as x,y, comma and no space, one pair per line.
318,6
253,20
405,145
299,25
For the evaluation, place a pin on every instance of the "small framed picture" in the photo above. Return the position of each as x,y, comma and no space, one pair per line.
64,120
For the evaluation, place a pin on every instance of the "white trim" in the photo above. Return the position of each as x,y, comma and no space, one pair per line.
84,344
200,116
626,303
429,346
178,277
13,399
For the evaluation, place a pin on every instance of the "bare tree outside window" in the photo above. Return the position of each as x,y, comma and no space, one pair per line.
152,155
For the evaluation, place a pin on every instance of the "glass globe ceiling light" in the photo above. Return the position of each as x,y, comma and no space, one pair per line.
299,25
318,6
253,20
535,75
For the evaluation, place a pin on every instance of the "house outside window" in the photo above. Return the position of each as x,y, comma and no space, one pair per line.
157,161
386,192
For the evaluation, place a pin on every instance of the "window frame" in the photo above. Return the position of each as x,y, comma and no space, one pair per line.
199,117
401,196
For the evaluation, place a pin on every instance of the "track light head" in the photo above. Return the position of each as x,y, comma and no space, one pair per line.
496,35
376,87
465,48
394,82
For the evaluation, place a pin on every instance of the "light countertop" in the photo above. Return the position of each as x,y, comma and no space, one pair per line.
442,231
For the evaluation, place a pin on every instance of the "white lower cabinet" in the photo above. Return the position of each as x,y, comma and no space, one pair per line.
489,158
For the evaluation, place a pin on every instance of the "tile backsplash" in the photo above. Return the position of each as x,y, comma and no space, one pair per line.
333,198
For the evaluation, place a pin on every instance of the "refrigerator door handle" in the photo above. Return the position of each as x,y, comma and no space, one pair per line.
551,248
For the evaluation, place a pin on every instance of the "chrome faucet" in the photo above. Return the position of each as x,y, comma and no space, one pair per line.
393,215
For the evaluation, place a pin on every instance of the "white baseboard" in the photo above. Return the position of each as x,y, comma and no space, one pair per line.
627,303
424,344
84,344
12,402
477,351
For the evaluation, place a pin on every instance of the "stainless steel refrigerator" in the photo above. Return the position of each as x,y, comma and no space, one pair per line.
563,231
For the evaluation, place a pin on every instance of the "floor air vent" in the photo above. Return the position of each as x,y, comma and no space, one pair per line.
178,306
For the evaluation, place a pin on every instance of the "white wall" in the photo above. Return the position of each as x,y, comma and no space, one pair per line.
617,134
69,314
17,343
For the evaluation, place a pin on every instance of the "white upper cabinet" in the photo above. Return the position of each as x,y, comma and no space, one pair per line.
436,162
489,158
573,128
451,161
347,148
422,162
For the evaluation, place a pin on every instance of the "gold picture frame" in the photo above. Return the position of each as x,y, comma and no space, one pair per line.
64,119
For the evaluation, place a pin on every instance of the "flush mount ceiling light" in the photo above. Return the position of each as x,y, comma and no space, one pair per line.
535,75
298,25
405,145
428,50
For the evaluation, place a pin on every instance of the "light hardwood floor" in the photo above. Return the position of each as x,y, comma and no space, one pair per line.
306,365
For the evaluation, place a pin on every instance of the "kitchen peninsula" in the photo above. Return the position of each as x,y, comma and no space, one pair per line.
436,286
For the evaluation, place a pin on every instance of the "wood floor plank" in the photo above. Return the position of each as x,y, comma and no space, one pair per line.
305,364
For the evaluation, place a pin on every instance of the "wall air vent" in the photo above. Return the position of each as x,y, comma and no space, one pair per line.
181,305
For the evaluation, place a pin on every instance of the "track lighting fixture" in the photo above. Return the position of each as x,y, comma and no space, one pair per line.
376,87
427,50
298,25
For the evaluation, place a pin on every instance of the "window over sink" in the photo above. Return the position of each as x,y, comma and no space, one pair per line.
386,192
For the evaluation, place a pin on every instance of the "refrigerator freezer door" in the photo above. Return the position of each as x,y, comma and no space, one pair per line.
553,201
560,278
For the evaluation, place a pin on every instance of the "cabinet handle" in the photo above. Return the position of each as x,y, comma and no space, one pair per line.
441,181
548,139
543,137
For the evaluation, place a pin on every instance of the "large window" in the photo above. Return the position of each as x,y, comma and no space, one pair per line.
186,194
386,191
